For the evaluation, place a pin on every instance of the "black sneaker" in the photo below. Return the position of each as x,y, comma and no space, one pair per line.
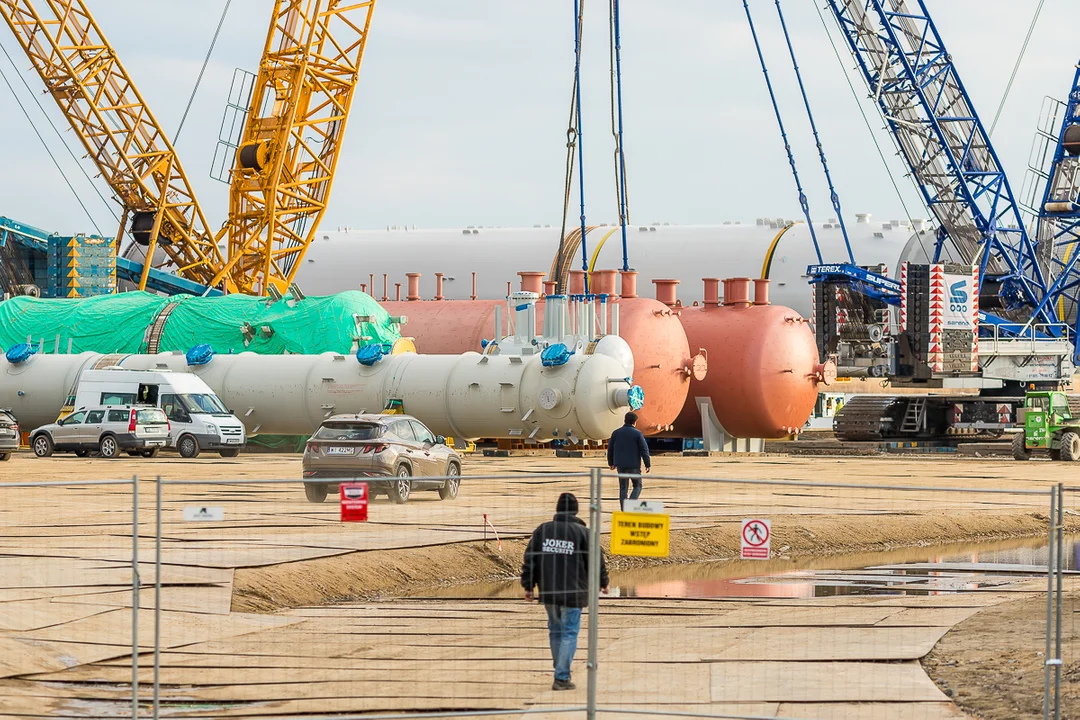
563,685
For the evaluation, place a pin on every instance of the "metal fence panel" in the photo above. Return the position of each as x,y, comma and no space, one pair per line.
257,603
321,616
70,596
832,623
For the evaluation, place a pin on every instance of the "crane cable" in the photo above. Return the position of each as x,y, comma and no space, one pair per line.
62,142
617,130
206,61
783,133
1016,67
833,196
46,146
873,135
571,144
579,12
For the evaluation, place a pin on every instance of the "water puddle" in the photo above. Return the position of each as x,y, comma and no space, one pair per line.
937,570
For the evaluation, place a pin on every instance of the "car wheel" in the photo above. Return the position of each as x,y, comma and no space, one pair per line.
401,486
232,452
4,456
449,490
188,447
1019,447
152,453
1070,447
43,446
315,492
108,448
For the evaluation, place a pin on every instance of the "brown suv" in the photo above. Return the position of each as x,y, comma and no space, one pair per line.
394,454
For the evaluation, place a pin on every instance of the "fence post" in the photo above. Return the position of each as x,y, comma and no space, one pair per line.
135,587
594,588
1050,567
157,600
1060,571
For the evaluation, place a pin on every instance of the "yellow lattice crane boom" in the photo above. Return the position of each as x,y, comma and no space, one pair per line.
292,136
86,79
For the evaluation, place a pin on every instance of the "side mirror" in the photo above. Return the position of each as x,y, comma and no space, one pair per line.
440,440
59,422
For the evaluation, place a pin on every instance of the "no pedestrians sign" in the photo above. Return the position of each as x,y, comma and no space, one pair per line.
755,539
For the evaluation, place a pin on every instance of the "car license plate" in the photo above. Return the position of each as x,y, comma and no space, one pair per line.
339,451
232,441
155,443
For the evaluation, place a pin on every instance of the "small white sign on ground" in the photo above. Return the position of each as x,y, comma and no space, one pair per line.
755,539
644,506
203,513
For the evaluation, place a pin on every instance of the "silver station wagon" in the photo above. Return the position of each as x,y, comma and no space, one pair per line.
106,431
9,434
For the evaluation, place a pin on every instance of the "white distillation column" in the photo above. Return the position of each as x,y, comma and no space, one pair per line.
577,323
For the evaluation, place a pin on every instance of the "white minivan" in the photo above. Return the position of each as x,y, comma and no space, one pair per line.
198,418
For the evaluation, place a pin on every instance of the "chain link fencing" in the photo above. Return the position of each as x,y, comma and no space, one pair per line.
72,566
244,599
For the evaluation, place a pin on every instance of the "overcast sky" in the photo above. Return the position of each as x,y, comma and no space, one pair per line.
460,115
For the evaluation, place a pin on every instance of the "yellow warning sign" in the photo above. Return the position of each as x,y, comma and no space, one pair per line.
640,534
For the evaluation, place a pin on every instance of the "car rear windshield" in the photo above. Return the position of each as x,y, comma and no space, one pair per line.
151,416
348,431
6,419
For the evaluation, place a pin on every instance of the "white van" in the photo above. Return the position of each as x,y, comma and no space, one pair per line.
199,421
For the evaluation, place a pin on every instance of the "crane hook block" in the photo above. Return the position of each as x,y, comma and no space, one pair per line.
254,155
142,225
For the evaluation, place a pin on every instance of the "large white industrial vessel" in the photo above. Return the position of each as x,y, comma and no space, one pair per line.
341,260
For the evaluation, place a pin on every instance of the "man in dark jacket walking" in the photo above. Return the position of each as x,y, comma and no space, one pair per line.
627,451
557,560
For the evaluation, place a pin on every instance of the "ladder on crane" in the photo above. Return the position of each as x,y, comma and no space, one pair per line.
291,142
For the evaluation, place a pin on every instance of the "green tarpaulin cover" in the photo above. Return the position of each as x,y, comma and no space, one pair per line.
234,323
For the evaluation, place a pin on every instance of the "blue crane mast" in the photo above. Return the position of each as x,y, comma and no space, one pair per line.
1059,211
915,84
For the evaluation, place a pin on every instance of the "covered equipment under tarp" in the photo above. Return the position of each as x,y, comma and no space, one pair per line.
139,322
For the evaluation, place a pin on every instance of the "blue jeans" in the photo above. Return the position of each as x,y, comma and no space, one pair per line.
563,626
624,485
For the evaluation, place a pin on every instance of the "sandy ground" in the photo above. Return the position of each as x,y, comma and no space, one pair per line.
993,663
890,469
275,552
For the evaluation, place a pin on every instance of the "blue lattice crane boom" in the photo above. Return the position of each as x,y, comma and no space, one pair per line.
941,333
1059,211
944,144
